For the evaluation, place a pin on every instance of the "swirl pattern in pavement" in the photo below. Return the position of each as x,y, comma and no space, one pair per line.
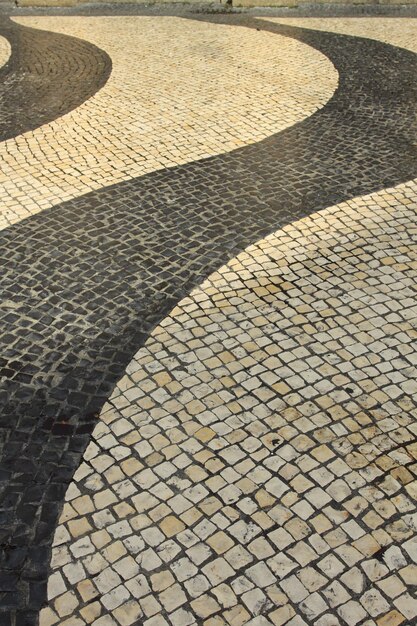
179,91
197,412
257,462
396,31
86,281
47,75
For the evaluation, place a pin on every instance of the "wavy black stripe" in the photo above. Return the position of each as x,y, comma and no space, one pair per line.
46,76
84,282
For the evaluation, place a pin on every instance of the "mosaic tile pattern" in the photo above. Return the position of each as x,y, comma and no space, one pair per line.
257,463
86,281
219,87
47,76
396,31
4,51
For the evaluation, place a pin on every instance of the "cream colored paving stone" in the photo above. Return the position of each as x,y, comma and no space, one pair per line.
179,91
5,51
291,499
395,31
307,339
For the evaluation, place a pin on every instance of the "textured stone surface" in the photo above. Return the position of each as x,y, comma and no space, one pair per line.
219,88
396,31
4,51
259,454
85,282
47,76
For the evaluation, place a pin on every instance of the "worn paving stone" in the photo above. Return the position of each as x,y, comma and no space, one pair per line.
47,75
221,88
267,430
85,282
396,31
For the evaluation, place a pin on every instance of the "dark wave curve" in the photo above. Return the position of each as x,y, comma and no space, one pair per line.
85,281
46,76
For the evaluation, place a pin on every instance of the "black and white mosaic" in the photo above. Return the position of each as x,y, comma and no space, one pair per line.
84,282
46,76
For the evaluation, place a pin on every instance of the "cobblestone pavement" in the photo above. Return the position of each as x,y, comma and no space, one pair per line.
259,457
256,464
230,88
46,76
396,31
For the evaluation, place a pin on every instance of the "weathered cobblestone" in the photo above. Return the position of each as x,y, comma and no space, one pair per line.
221,88
86,281
47,76
264,440
396,31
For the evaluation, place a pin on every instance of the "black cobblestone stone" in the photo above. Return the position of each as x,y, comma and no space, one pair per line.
84,282
47,75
